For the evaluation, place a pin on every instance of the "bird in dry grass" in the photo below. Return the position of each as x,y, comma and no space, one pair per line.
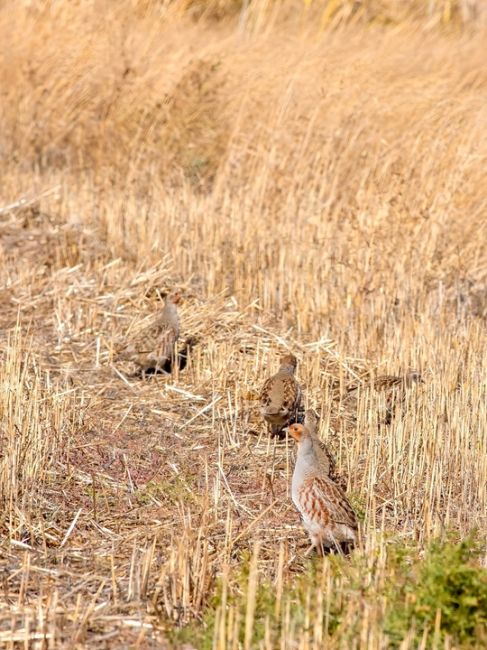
394,389
280,397
326,513
325,457
156,351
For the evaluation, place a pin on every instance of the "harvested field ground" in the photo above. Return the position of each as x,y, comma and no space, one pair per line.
311,183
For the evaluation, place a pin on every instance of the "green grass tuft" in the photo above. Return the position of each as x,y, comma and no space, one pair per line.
447,590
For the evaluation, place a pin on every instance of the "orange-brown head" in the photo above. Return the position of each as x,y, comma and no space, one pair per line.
298,432
174,297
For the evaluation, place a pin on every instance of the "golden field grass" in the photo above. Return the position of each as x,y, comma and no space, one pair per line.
310,182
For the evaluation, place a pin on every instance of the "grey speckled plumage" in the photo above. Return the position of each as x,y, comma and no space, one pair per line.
326,513
281,396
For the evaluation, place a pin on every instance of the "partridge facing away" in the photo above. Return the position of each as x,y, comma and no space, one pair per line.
325,457
155,352
326,513
395,390
281,396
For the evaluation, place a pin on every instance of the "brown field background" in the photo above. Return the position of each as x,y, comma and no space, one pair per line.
312,177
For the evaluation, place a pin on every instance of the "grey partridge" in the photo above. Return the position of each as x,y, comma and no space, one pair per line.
326,458
280,397
394,388
326,513
155,351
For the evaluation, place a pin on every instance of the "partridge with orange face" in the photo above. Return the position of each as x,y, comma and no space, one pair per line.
326,513
281,396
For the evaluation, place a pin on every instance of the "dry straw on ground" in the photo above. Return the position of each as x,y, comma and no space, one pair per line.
309,187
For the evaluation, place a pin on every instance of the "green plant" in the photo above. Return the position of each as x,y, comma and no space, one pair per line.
447,590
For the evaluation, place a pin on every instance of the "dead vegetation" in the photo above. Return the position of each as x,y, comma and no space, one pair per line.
318,191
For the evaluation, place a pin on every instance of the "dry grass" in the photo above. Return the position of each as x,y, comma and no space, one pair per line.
316,190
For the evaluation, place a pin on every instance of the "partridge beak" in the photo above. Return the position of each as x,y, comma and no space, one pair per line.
289,435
